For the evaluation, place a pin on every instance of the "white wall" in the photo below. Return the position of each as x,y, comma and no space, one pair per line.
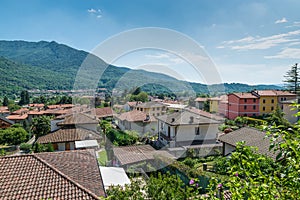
187,133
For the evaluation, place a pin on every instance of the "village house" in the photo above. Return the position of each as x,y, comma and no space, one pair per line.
104,113
199,102
138,121
130,155
186,128
5,123
57,175
251,137
4,111
242,104
74,131
151,108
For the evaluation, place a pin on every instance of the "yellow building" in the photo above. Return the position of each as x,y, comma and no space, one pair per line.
268,101
214,103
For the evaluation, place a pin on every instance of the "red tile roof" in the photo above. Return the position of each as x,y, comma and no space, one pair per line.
20,111
135,116
133,154
133,103
60,106
49,176
284,93
36,105
79,118
80,165
68,135
104,112
17,117
4,109
36,112
244,95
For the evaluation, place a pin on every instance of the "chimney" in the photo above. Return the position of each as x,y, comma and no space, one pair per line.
173,120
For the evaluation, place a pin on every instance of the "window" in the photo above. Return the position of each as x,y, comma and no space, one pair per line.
264,101
245,107
254,107
254,100
197,130
141,109
157,114
272,101
272,108
264,108
254,115
153,109
245,100
157,108
245,115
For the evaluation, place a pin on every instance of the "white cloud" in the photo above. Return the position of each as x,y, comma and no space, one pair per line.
251,43
295,24
287,53
166,56
280,21
95,12
92,10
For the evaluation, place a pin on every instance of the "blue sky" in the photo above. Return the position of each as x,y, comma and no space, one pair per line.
249,41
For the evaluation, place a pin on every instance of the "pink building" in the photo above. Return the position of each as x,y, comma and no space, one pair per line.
242,104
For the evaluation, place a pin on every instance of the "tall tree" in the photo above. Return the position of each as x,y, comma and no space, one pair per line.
41,125
5,101
292,79
24,98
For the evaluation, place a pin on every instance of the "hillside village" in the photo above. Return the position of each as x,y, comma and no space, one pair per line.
79,151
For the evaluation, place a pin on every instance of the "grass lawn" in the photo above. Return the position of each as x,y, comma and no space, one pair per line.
102,158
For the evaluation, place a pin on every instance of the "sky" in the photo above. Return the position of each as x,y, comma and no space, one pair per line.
252,42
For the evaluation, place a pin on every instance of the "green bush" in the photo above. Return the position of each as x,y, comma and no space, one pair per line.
25,147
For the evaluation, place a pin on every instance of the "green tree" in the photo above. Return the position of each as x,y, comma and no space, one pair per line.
292,79
41,126
13,136
37,147
5,101
25,99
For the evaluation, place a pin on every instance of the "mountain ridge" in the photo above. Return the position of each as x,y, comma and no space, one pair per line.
58,65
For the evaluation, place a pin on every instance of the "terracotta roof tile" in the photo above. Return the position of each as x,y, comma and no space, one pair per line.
68,135
36,105
135,116
81,166
20,111
245,95
252,137
104,112
17,117
133,154
33,177
79,118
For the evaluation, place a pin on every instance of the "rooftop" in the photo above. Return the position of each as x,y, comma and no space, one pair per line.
186,118
59,175
68,135
252,137
135,116
134,154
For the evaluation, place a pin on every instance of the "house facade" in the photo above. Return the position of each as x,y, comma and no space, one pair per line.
152,108
242,104
251,136
138,121
186,128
